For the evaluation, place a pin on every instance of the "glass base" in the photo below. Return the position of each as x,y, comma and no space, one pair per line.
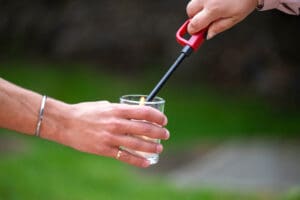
153,158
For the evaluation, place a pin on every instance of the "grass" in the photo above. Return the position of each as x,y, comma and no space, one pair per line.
44,170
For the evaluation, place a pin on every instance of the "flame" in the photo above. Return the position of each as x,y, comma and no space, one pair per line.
142,101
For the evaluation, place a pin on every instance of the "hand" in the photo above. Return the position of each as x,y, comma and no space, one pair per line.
219,15
102,127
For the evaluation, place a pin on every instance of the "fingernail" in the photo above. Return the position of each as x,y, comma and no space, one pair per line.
210,35
159,148
165,121
167,134
146,163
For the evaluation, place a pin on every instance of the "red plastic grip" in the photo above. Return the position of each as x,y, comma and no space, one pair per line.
194,41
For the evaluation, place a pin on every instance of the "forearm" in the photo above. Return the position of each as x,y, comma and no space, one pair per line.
287,6
19,110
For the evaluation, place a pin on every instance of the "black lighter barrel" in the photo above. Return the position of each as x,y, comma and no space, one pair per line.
186,51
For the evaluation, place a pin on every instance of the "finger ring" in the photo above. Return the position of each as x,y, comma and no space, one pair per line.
118,154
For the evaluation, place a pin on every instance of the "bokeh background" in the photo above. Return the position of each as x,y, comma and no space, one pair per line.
241,86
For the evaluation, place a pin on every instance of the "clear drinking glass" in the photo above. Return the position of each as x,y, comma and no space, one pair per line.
158,103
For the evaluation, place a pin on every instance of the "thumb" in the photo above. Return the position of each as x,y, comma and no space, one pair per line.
219,26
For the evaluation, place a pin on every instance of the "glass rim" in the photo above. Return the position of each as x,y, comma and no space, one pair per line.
158,100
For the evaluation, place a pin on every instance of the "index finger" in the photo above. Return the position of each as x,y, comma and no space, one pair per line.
201,20
138,112
194,7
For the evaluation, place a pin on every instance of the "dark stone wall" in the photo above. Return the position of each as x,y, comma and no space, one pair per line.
260,54
134,31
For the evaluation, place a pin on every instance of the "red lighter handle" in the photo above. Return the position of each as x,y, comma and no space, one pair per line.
194,41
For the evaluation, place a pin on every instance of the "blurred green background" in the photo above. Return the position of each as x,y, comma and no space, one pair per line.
239,85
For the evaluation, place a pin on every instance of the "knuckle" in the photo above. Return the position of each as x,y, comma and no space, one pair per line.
189,9
149,109
115,110
152,147
146,129
108,138
125,156
100,103
142,145
233,21
213,9
128,127
148,146
119,109
114,125
161,120
134,144
154,131
209,16
161,133
146,111
193,24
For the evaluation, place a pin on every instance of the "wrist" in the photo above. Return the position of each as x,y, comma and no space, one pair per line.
56,120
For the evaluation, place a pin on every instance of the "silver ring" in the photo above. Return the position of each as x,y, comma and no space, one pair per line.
118,154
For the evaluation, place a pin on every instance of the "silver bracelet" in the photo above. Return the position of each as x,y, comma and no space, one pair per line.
40,119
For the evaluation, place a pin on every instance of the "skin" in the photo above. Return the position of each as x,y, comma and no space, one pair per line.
219,15
93,127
